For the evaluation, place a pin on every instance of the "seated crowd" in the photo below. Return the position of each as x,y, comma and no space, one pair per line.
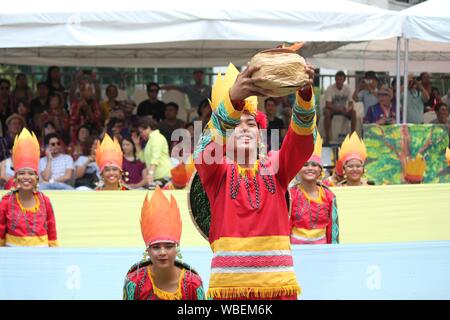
70,123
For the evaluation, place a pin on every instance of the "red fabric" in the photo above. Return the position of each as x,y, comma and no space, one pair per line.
45,218
190,283
324,218
291,297
236,217
252,261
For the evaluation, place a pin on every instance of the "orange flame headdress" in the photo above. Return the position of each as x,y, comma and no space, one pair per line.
108,153
26,151
352,148
317,153
160,220
182,173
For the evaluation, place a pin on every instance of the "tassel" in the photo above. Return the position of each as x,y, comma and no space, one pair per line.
232,293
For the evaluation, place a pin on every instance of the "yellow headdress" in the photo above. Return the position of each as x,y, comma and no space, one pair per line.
317,153
352,148
415,169
26,151
109,153
160,220
222,87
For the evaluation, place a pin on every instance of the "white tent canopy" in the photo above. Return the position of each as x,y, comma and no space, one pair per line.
380,55
180,33
429,20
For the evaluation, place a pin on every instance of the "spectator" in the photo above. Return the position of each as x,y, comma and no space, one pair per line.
87,174
7,170
170,123
433,92
21,91
56,168
15,123
417,96
133,168
111,103
83,78
152,106
366,91
196,92
54,81
57,115
204,112
47,128
83,143
5,101
156,152
86,111
384,111
338,98
41,102
441,110
23,109
274,123
116,128
184,148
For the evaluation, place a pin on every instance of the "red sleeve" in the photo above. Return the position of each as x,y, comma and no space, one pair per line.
211,166
195,286
295,151
3,211
51,223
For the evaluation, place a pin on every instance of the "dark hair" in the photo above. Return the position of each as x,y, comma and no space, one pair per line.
24,102
5,81
148,122
268,100
111,86
172,104
149,85
88,128
50,136
370,75
438,106
340,73
41,83
198,71
201,105
60,99
113,121
421,75
49,73
128,138
46,124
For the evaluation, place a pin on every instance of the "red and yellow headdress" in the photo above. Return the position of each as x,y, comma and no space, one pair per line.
317,153
26,151
109,153
182,173
352,148
415,169
160,220
221,89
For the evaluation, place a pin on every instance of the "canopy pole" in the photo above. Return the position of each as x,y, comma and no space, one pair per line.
397,81
405,81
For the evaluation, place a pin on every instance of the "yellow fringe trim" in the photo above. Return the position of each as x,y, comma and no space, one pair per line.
268,292
164,295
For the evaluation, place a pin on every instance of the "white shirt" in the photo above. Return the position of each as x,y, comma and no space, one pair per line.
59,165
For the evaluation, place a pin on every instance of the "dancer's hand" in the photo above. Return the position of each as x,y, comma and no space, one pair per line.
245,86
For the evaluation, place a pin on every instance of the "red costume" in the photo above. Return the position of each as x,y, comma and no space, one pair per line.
161,222
249,229
21,226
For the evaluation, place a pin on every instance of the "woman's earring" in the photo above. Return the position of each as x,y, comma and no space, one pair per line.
179,255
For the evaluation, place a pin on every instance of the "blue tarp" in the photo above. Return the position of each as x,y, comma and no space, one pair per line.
419,270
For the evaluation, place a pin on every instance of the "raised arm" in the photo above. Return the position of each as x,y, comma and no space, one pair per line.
298,144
